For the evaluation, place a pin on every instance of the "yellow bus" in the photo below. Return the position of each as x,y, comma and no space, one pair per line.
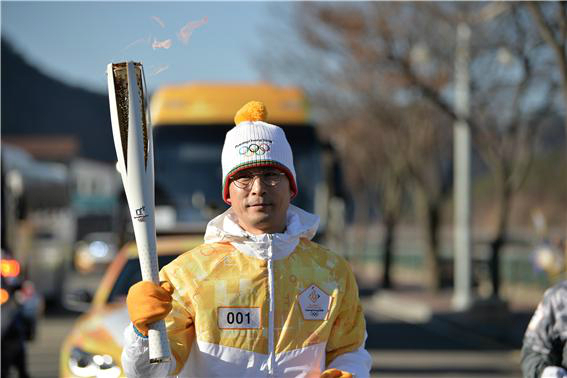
189,126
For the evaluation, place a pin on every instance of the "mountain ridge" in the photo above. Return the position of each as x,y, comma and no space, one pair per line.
35,104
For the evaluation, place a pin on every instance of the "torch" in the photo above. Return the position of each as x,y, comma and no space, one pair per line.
134,150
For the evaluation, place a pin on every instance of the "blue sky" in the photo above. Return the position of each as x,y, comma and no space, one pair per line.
74,41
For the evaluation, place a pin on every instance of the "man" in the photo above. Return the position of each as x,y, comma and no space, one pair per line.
544,352
258,298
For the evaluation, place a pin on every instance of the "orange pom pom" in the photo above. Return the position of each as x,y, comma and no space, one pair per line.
252,111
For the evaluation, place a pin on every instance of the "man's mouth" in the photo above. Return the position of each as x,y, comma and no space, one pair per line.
259,205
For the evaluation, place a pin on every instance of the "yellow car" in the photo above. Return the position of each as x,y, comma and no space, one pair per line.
94,345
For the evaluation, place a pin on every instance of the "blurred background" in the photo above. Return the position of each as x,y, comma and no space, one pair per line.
430,137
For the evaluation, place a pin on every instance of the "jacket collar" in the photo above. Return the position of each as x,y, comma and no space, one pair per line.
300,224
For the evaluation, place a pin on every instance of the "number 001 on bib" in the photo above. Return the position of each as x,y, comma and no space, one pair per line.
239,318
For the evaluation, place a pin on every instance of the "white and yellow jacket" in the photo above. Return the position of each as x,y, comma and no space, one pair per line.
272,305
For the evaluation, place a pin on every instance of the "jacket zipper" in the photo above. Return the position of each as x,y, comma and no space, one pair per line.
271,349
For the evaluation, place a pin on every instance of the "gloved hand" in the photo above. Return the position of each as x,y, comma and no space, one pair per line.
553,372
148,303
335,373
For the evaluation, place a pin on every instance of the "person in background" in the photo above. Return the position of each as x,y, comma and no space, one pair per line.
544,352
258,298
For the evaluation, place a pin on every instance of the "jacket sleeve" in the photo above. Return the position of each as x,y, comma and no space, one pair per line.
136,357
180,332
542,346
345,347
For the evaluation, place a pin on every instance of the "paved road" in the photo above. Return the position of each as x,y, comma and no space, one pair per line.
43,352
420,363
407,346
405,350
399,349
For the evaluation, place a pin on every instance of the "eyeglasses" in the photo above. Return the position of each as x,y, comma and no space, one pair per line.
268,178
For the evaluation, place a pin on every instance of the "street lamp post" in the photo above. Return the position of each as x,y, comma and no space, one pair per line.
462,297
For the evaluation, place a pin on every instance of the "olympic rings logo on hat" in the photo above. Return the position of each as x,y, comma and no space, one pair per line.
254,149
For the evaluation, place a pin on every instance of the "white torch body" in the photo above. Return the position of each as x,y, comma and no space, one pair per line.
134,149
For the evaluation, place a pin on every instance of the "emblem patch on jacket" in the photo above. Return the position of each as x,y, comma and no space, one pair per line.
314,303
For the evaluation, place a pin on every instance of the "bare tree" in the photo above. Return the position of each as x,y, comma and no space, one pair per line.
508,108
551,21
430,158
381,63
369,140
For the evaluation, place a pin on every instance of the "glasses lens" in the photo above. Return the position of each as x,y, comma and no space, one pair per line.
270,178
243,181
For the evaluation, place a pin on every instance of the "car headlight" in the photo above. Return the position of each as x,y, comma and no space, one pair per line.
85,364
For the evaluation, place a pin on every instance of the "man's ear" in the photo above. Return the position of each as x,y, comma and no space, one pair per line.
228,200
291,193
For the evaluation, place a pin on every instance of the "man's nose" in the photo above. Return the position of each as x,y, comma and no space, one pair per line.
258,186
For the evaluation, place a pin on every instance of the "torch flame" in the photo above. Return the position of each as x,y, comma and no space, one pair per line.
159,21
162,44
186,31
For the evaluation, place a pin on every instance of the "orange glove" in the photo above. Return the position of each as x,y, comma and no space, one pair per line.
148,303
335,373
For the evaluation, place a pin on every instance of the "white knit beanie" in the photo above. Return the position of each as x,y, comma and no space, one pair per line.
255,143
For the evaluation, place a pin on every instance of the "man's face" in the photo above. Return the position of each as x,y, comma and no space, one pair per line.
260,198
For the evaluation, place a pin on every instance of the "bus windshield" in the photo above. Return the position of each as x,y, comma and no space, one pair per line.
188,173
